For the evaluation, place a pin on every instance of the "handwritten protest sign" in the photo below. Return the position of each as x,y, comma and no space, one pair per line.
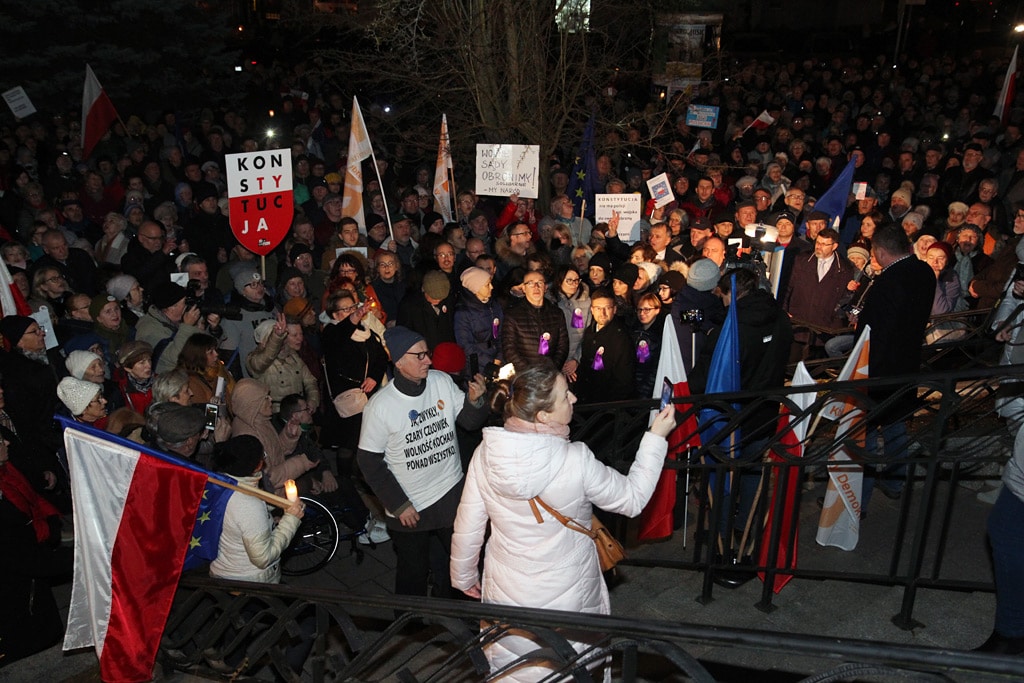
502,170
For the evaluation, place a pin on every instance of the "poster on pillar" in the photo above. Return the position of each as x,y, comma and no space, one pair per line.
260,198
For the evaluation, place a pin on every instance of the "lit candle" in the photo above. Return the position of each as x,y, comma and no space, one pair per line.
290,491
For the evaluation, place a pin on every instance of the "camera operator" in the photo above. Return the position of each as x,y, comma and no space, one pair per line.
168,323
696,311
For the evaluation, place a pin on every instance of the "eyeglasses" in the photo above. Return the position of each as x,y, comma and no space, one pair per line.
571,280
420,355
445,255
55,278
346,309
519,234
602,308
534,283
647,309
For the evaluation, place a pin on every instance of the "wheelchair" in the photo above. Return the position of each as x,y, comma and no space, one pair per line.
316,541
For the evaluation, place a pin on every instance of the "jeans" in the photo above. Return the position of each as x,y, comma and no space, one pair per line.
420,553
840,346
1006,535
894,437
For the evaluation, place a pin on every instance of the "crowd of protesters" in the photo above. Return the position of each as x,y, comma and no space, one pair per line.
148,310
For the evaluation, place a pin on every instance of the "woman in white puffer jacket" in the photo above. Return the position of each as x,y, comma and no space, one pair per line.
544,565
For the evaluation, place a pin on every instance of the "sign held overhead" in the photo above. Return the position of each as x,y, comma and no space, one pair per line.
260,198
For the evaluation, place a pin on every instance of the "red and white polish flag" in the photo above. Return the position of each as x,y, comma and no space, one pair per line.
97,112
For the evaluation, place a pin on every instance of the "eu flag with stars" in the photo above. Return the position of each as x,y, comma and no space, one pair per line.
583,181
202,546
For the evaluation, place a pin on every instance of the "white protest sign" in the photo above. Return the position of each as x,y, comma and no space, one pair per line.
661,190
502,170
17,99
260,198
628,206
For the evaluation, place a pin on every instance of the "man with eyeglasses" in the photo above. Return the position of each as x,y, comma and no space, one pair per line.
990,284
534,328
148,258
606,369
818,283
409,454
512,248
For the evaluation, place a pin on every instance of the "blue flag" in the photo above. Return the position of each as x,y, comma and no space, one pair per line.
205,539
583,181
833,200
723,378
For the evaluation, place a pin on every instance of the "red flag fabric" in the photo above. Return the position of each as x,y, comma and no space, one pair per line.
97,112
128,558
793,435
1009,89
11,300
656,518
763,121
786,487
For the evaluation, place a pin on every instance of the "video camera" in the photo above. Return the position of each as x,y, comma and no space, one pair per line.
193,299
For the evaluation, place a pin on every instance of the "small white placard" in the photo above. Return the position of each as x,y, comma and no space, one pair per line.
661,190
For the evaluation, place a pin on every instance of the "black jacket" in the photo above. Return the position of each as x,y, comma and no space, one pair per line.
615,381
897,308
522,329
765,336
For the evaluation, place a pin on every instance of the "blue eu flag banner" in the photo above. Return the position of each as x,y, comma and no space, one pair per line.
723,378
833,200
583,181
202,546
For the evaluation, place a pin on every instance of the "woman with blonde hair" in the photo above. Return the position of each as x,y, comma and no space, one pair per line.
517,472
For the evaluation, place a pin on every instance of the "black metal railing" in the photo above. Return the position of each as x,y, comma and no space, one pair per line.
952,433
394,638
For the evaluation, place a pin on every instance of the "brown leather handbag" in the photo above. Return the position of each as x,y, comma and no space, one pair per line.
609,551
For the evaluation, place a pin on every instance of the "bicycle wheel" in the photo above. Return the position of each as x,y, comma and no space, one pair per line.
314,543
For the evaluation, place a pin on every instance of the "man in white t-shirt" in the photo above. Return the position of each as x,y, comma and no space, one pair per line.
409,454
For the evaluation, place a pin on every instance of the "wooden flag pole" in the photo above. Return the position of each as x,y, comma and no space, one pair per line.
376,170
248,490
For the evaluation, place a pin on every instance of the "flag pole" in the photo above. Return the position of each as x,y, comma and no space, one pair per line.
265,496
454,198
376,170
583,210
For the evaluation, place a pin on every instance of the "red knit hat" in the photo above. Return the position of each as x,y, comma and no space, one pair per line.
449,357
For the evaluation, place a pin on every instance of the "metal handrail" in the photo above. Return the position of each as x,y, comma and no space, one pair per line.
379,645
949,402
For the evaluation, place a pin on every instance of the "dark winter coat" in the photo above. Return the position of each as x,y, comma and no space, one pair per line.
521,331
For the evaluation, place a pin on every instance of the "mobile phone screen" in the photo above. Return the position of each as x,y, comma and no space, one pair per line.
666,393
211,416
